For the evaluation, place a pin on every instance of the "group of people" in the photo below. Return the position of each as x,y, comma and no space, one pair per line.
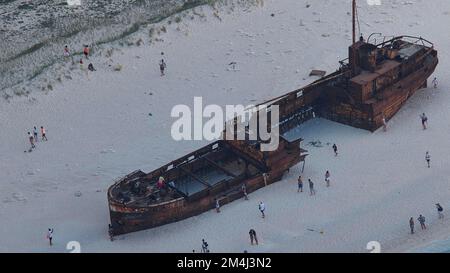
421,218
33,138
86,53
312,191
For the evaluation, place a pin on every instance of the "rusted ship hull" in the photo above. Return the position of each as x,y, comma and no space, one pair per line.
131,215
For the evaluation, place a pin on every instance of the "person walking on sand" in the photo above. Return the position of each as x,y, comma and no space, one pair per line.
335,149
35,134
424,120
43,134
327,178
50,236
411,225
300,184
428,158
440,211
86,51
253,237
31,139
262,208
66,51
421,220
244,191
435,82
162,66
217,205
311,188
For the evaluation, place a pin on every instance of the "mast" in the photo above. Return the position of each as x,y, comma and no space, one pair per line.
353,20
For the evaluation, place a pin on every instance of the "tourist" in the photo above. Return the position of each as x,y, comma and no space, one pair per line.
440,211
424,119
35,134
204,246
91,67
384,123
31,139
217,205
428,158
435,82
335,149
300,184
411,225
50,235
262,208
327,178
253,237
43,134
244,191
162,66
66,51
311,188
421,220
86,51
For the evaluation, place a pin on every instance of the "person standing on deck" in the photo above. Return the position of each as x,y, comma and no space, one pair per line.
161,183
262,208
300,184
31,139
43,135
327,178
217,205
435,82
424,119
440,211
421,220
311,188
335,149
428,158
411,225
50,235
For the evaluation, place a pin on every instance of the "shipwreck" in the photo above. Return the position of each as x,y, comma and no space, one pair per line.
368,88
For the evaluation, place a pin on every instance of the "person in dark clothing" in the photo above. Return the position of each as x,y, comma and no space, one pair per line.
424,119
440,211
411,225
421,220
428,158
31,139
50,235
311,188
35,134
162,66
335,149
110,232
204,246
253,237
91,67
